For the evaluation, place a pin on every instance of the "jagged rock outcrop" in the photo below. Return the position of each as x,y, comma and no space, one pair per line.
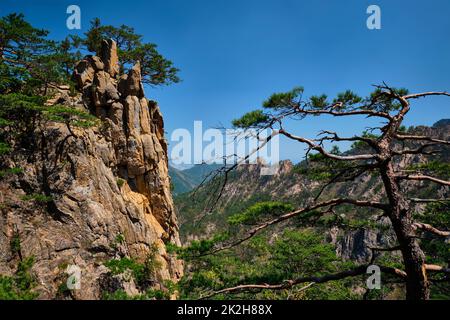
107,187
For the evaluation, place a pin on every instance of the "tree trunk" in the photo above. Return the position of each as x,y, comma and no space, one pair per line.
417,285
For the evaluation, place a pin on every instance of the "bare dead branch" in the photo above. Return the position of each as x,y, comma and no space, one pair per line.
312,280
430,228
320,149
224,171
335,137
361,169
369,113
333,202
421,138
436,268
420,150
423,178
258,287
396,248
427,200
234,166
424,94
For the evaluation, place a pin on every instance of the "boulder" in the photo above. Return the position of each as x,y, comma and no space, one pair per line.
83,73
131,84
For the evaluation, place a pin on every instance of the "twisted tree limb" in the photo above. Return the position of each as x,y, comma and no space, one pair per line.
423,178
360,270
289,215
322,150
421,138
431,229
424,94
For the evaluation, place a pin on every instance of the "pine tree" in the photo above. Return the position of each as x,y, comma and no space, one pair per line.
156,70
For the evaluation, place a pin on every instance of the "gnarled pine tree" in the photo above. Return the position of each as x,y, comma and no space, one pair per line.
379,155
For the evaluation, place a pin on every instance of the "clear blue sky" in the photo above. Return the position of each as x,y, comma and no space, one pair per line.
234,53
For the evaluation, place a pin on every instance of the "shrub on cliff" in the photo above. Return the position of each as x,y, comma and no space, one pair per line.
20,285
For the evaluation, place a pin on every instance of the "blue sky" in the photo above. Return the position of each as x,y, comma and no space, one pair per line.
233,54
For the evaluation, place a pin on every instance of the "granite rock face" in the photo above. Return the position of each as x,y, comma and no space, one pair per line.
107,187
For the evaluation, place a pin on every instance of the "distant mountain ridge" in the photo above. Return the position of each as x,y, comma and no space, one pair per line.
186,180
442,123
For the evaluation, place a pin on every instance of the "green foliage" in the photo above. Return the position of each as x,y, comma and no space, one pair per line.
120,182
31,64
347,98
314,174
11,171
18,102
156,70
198,247
150,294
71,116
39,198
20,114
14,244
19,42
4,148
24,278
117,295
256,211
288,256
119,266
319,102
4,122
321,168
120,238
335,150
362,144
290,259
151,264
293,254
441,169
380,101
20,286
63,290
436,249
30,61
282,104
143,273
251,119
23,114
284,99
438,215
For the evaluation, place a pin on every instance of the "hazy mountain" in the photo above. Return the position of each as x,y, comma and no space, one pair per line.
442,123
186,180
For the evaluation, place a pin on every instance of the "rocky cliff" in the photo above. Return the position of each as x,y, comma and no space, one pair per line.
85,196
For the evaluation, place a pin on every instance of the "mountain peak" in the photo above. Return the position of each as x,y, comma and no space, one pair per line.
442,123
